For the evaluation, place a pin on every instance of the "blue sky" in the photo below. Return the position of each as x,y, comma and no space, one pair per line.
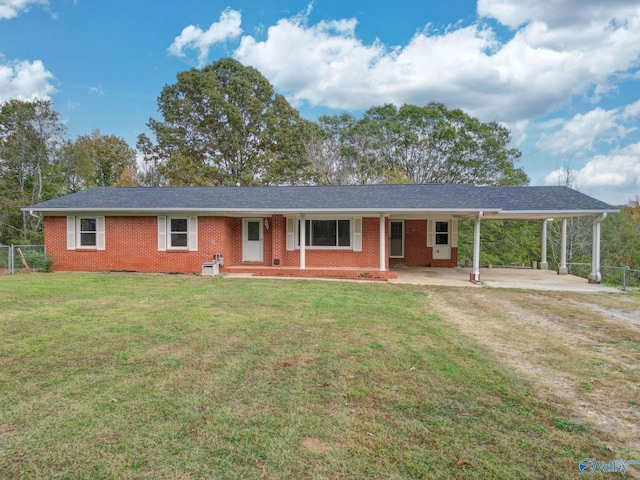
563,76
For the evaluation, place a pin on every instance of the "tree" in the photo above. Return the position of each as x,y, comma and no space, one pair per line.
429,144
621,237
343,151
224,125
30,136
433,144
99,160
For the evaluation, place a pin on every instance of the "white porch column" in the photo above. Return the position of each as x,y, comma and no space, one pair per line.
544,265
303,243
383,244
562,269
475,275
595,276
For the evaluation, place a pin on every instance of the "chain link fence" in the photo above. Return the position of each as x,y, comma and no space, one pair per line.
4,259
23,259
623,277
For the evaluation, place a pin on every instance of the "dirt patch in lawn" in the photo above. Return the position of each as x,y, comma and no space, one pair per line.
580,351
315,445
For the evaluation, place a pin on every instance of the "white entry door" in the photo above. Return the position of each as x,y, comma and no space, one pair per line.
252,240
442,241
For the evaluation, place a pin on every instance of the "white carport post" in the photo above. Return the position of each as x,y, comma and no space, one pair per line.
562,269
383,244
595,276
475,275
544,265
303,243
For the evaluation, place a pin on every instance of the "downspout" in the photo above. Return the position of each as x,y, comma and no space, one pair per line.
596,276
475,275
383,244
303,243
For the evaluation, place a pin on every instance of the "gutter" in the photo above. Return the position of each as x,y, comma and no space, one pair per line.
376,211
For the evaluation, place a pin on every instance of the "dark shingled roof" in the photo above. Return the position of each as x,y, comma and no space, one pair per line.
363,198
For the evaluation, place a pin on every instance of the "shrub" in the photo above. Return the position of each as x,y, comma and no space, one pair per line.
36,260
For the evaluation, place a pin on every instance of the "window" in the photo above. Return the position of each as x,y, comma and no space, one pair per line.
87,232
442,233
178,233
253,231
326,233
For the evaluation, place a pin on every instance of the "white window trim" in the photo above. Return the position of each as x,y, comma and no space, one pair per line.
453,232
325,217
169,232
436,233
164,234
79,233
74,232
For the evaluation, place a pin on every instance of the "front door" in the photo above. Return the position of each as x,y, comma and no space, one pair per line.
252,240
396,239
442,243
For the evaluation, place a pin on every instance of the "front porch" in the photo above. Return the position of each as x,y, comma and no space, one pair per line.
342,273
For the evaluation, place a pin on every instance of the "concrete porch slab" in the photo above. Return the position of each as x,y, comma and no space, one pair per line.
499,278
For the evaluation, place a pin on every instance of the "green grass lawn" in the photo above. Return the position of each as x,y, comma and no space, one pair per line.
152,376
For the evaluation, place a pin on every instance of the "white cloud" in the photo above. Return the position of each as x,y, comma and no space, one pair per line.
584,131
533,74
618,169
632,110
12,8
25,81
579,134
514,13
192,37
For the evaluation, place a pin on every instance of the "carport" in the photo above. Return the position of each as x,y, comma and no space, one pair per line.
544,205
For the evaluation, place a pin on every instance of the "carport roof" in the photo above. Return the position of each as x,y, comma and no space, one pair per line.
460,200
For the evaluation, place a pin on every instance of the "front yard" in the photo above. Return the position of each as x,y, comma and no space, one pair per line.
158,376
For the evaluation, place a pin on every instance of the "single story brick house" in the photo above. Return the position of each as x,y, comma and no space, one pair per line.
351,231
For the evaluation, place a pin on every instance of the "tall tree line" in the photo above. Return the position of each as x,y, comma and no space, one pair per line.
38,162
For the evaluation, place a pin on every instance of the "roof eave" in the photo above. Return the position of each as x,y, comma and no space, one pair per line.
556,213
265,211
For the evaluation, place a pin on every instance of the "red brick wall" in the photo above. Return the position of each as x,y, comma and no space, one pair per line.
132,245
416,252
278,230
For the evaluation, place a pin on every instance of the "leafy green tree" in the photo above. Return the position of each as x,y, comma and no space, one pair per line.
99,160
621,237
224,125
30,136
433,144
504,242
429,144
